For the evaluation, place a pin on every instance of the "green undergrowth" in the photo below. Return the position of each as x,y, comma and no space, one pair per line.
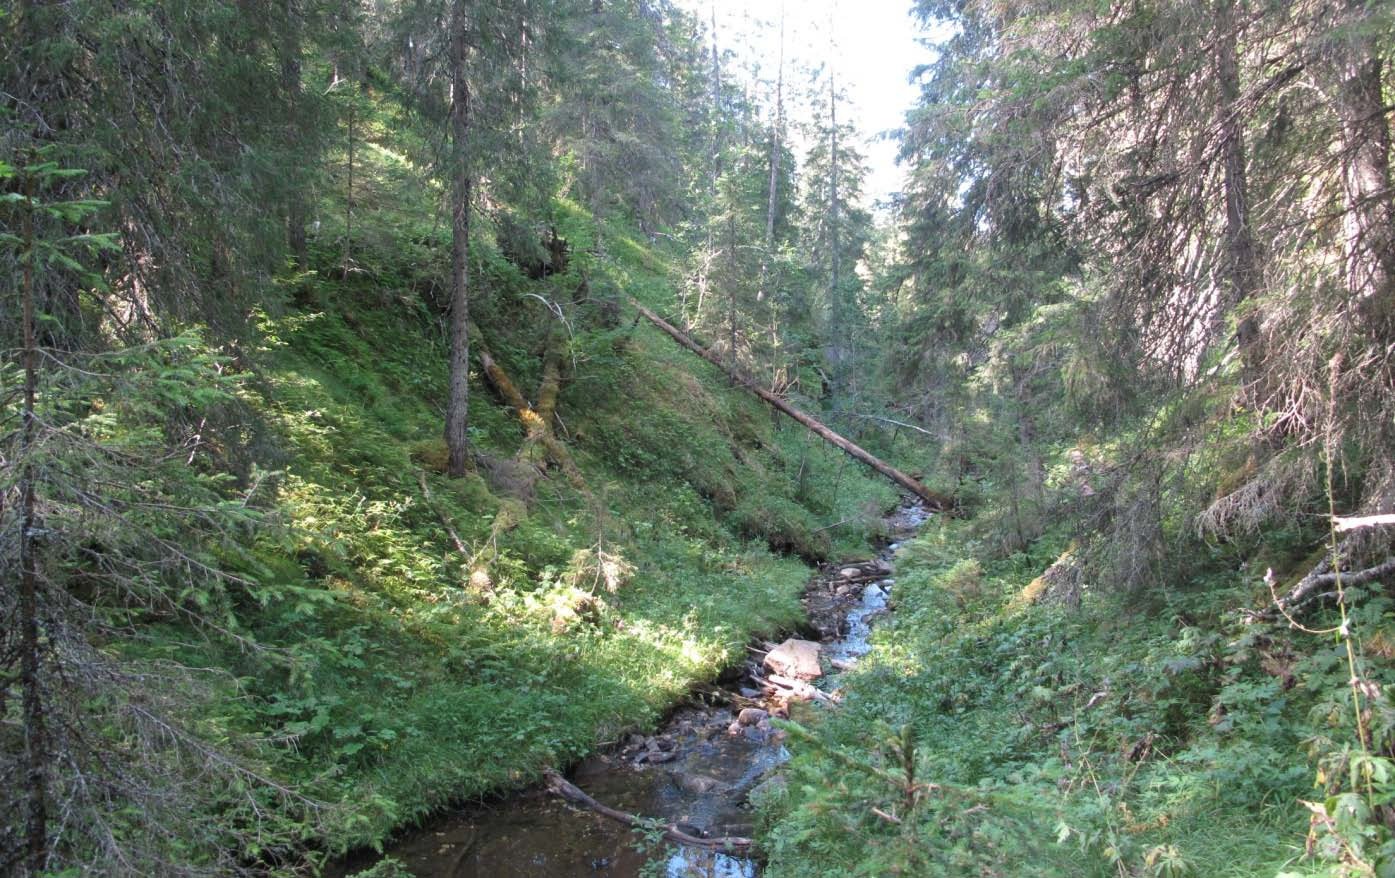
421,640
1141,734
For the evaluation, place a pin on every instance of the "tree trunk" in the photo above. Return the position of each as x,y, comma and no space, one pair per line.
349,187
715,146
833,183
732,286
1241,270
458,401
934,499
36,756
838,325
1368,221
290,84
775,134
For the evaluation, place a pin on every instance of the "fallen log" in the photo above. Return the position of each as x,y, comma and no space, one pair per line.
934,499
570,792
537,422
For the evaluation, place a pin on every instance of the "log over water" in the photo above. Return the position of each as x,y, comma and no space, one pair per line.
935,500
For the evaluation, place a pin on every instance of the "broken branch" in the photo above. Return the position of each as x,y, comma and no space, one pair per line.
570,792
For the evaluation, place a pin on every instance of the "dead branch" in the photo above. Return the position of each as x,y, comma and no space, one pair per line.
1361,521
570,792
884,420
1321,576
889,818
440,513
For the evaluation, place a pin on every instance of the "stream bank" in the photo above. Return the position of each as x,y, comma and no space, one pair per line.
697,773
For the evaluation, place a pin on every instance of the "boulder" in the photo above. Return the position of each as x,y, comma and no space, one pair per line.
751,716
798,659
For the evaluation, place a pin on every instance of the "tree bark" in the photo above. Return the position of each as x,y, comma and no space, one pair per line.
933,499
458,401
775,135
715,146
290,83
349,185
1368,220
1241,261
36,755
838,312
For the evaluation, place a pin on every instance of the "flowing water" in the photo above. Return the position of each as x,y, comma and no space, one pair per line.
697,771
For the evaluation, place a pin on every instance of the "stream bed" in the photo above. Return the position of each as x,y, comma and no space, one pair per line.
697,771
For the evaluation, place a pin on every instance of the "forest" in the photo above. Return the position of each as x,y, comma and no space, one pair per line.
409,406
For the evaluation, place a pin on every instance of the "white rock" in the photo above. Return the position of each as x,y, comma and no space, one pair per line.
798,659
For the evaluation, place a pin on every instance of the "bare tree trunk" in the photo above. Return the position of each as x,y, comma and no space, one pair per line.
349,189
1241,278
36,754
290,83
775,135
1368,221
935,500
732,286
715,157
458,401
833,181
837,311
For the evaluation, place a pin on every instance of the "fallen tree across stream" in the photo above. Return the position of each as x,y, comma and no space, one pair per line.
569,791
935,500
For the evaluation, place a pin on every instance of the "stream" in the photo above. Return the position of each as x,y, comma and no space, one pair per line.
697,771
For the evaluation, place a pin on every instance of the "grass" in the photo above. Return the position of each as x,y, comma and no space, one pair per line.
1136,735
